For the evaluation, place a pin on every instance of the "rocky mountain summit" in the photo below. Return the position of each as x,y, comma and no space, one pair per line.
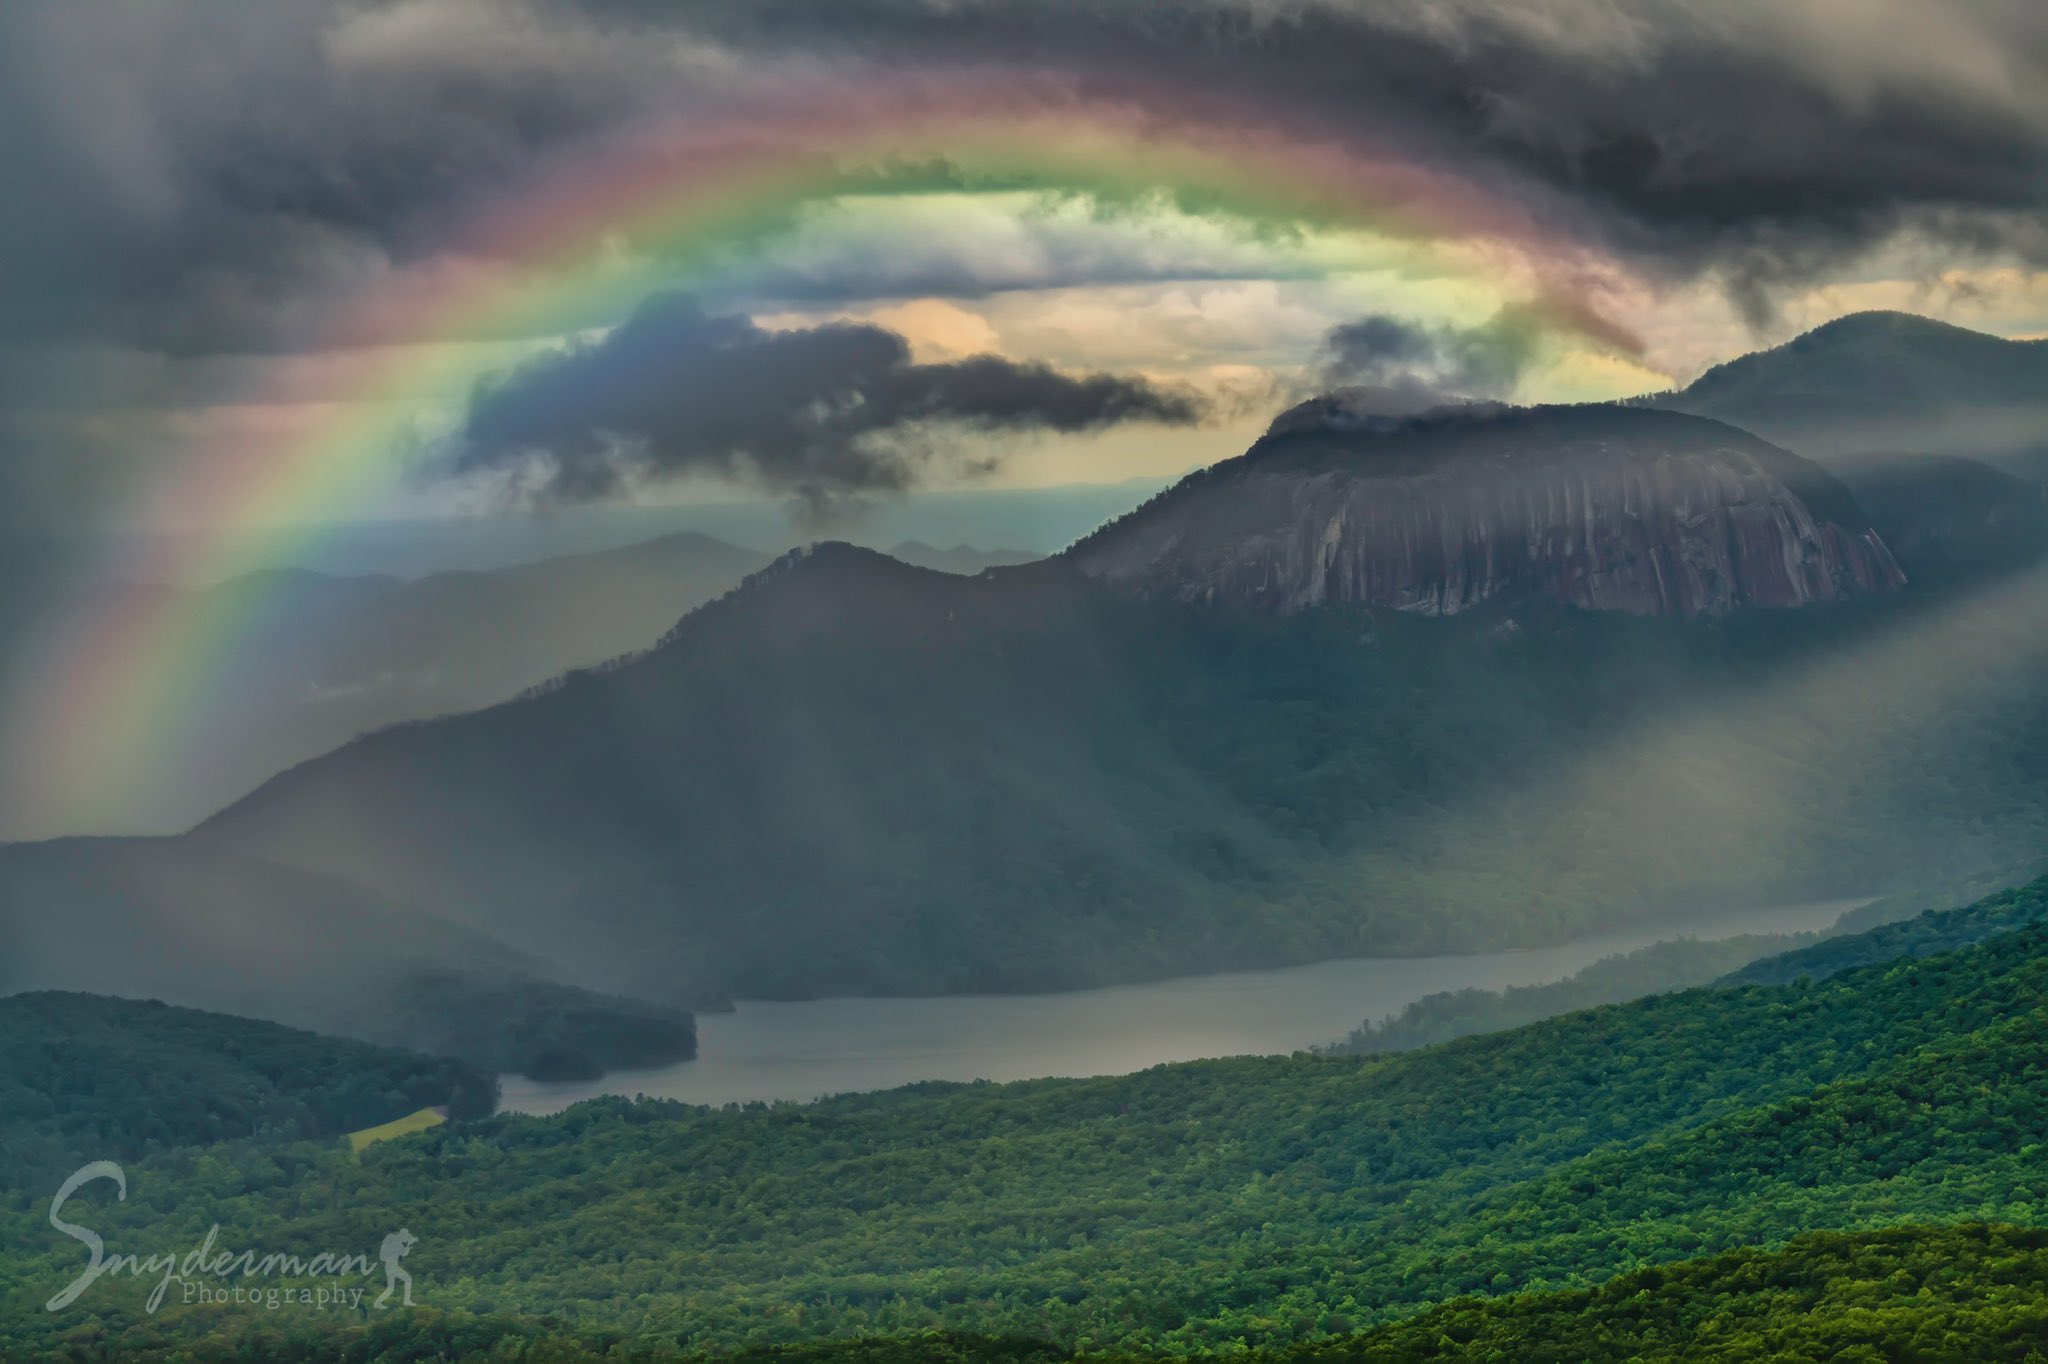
1608,508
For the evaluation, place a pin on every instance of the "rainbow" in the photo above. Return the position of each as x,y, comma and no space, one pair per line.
122,697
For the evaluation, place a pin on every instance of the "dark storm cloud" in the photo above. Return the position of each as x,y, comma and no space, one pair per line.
209,175
824,414
1762,139
206,174
1385,366
214,176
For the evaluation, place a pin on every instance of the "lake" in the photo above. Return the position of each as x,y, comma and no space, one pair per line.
805,1050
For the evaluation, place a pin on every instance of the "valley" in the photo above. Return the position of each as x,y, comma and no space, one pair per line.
1024,682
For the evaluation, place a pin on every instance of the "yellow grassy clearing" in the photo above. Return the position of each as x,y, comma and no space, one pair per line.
405,1126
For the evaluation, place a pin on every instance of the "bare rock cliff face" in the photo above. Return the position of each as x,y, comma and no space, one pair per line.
1606,508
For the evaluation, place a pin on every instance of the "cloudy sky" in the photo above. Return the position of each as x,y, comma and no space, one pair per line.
273,258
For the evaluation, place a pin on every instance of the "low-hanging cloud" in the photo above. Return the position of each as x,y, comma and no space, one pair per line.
825,415
1390,367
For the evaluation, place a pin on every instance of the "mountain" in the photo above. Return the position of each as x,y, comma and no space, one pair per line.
1337,1207
179,921
1599,507
327,658
1880,381
854,776
851,773
1947,518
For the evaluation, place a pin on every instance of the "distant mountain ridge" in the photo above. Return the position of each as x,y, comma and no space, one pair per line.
1886,381
323,659
1599,507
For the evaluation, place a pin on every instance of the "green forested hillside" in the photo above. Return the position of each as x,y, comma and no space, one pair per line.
1925,935
1259,1201
1963,1294
86,1077
1969,1294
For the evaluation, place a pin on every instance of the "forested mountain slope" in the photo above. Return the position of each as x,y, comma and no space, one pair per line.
1968,1293
1886,381
1922,936
1261,1200
86,1078
1971,1294
1946,518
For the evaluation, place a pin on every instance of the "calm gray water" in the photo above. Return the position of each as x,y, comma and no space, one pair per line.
802,1051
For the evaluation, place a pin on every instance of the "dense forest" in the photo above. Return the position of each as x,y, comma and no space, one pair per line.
1969,1293
85,1077
1257,1202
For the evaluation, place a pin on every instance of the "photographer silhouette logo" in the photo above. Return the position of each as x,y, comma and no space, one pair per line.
396,1247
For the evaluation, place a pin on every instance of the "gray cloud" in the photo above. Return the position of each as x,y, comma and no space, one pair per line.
1761,139
212,177
1384,366
824,414
208,174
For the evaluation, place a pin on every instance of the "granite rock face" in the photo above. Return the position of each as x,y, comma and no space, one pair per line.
1602,507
